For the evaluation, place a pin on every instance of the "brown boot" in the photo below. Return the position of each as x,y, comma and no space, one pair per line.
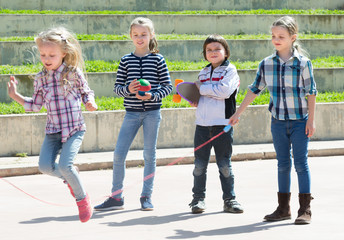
283,210
304,213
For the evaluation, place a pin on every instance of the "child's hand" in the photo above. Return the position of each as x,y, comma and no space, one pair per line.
134,86
91,106
310,128
12,87
234,119
147,96
194,104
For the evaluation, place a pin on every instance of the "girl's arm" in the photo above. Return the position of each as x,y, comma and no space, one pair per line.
164,81
12,91
250,96
310,125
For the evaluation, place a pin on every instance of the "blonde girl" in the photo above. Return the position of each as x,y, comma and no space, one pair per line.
143,63
288,75
60,87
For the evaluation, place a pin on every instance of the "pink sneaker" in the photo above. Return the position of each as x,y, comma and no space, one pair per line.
70,188
85,209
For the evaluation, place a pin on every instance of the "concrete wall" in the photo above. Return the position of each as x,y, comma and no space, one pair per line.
25,133
178,50
327,79
29,25
170,5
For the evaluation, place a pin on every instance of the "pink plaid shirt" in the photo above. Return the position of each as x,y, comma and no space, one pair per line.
62,99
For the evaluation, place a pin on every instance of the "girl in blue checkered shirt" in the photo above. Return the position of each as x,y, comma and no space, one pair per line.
288,76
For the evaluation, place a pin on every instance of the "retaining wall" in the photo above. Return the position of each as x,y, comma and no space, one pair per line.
177,50
25,133
327,79
29,25
170,5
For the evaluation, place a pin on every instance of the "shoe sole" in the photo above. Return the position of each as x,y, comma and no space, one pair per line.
276,220
233,211
147,209
197,210
108,209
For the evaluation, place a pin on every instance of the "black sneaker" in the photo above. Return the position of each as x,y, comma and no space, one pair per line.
146,204
110,204
197,205
232,206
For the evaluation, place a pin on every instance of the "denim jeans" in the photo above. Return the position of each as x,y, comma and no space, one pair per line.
150,120
289,137
64,169
223,153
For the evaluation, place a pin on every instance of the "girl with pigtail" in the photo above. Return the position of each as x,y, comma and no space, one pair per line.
288,75
141,110
61,87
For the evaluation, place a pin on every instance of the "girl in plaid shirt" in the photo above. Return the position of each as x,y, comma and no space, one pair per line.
60,87
288,75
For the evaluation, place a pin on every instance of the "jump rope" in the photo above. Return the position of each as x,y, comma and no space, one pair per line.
225,130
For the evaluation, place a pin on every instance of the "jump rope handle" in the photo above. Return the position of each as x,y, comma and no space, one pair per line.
227,128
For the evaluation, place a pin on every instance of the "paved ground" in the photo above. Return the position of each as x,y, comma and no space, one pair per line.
22,217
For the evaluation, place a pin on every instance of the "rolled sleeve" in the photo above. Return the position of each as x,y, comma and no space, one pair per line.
308,78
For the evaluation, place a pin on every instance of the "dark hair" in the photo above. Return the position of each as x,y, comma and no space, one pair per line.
216,38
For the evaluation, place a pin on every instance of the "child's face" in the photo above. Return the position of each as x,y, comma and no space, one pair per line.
281,39
51,55
141,37
215,53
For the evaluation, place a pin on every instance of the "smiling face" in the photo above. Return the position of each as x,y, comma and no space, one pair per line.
281,39
141,37
51,55
215,53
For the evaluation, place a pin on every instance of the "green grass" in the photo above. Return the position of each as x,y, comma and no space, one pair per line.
112,66
110,37
187,12
111,103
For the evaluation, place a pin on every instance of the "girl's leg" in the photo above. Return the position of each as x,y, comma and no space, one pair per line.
202,156
300,151
68,153
281,138
151,123
129,129
48,154
223,153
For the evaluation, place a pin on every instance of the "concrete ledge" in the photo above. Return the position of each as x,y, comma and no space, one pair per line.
28,25
181,50
25,133
170,5
12,166
327,79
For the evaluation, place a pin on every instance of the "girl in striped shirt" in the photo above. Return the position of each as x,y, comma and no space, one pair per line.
61,87
288,75
141,109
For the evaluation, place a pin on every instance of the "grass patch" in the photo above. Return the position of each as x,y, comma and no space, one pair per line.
112,103
186,12
111,37
112,66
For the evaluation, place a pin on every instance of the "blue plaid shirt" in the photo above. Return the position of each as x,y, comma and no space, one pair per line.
288,83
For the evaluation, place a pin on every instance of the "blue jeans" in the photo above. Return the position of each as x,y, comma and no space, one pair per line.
150,120
290,135
223,153
51,147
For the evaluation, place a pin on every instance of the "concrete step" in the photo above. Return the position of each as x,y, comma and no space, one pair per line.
327,79
184,50
168,5
28,25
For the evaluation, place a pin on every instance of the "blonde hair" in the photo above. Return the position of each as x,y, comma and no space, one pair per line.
69,45
146,22
290,24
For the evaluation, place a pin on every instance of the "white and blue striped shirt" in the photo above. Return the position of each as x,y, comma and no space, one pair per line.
288,83
151,67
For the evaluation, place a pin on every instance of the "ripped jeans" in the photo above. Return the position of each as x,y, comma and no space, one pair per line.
223,152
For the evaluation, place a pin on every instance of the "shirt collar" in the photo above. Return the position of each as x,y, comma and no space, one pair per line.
295,54
59,69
